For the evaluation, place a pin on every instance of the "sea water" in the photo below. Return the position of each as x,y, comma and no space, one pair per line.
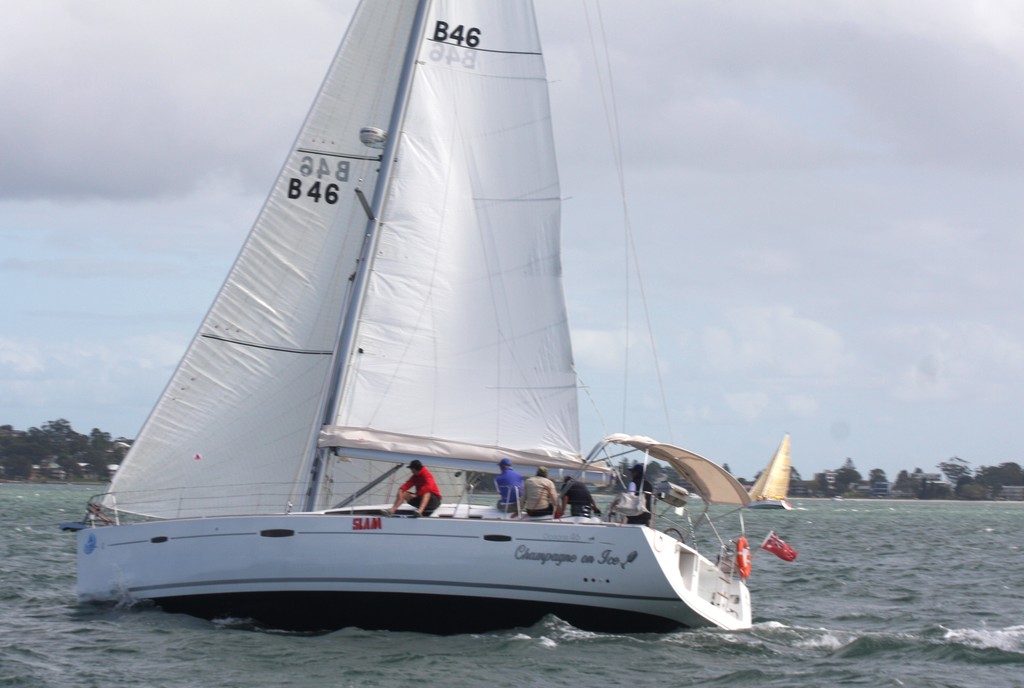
883,593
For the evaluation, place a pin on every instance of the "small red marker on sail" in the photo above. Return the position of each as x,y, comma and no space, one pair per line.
198,457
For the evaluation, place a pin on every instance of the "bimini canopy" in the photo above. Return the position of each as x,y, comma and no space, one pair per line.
712,482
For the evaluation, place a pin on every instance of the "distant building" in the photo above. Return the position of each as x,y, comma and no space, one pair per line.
826,481
799,488
1012,492
881,489
48,470
862,488
930,485
900,493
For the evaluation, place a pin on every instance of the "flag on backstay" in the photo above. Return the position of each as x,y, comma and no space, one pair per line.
774,544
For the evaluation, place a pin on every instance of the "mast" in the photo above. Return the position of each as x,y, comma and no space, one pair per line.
331,401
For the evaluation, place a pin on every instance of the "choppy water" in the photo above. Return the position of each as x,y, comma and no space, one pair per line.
883,594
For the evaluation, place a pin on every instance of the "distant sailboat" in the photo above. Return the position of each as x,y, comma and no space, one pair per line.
772,486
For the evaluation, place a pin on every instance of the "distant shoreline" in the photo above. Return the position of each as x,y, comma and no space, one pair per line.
794,502
54,482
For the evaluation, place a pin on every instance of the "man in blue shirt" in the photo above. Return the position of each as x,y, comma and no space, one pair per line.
510,487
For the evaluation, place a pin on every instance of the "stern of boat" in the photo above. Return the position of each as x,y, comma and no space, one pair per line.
713,590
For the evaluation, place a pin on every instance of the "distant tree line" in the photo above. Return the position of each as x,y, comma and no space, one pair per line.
955,479
55,451
983,483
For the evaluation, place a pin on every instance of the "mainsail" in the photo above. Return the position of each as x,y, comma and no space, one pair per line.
461,347
463,337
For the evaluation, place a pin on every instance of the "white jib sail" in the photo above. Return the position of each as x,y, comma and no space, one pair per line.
234,424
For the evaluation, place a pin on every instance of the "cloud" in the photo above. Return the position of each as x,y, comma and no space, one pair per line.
748,406
963,362
125,100
19,360
774,342
740,88
772,406
598,349
92,384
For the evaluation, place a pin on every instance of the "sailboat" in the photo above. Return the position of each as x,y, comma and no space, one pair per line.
771,487
399,299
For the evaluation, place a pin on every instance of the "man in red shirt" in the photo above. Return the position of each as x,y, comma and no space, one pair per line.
427,497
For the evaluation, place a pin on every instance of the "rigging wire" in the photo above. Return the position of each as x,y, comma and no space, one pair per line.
610,106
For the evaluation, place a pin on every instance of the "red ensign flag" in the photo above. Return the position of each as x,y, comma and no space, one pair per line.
774,544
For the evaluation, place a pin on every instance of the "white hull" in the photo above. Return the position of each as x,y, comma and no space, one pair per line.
326,571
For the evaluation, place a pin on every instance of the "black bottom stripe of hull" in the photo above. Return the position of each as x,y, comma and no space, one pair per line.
440,614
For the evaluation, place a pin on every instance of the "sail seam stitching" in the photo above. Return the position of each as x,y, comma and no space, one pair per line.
489,50
267,346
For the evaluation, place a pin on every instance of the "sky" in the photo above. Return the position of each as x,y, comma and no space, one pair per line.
820,203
